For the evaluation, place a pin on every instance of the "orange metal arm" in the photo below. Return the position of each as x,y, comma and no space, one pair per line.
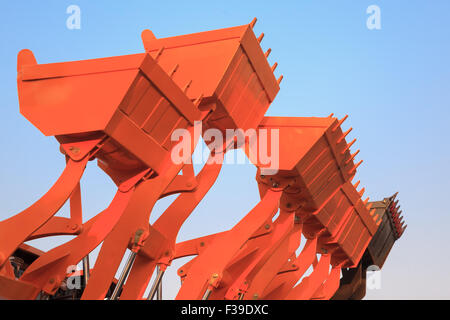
208,267
29,220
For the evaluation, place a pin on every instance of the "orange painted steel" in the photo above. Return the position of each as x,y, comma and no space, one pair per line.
124,112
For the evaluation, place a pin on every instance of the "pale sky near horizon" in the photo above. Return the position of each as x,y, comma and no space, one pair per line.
394,83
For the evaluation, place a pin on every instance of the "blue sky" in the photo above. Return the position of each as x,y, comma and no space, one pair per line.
394,83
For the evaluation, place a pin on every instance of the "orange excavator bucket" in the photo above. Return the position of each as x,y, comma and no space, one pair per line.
136,114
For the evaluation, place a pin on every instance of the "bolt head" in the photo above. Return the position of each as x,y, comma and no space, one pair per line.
74,150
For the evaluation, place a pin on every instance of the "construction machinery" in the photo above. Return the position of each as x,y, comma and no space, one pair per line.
311,236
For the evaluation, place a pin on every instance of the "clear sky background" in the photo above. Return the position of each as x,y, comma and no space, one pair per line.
394,83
